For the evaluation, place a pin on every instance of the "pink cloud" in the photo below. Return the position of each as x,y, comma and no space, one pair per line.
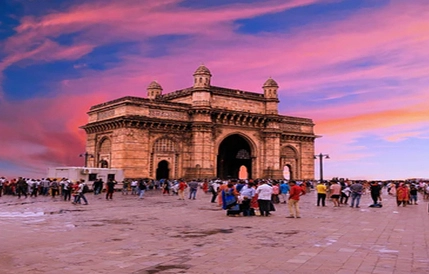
44,132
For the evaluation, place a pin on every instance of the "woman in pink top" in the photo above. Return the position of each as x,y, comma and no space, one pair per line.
275,195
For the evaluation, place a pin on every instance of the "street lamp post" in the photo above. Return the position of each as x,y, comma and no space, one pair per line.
87,156
321,156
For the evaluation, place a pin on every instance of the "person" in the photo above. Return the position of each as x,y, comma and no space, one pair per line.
80,192
295,193
181,189
134,187
110,188
73,190
276,191
213,189
98,186
166,187
402,195
142,188
375,190
356,191
205,186
34,185
264,192
125,185
54,188
83,188
345,193
284,190
321,193
247,192
193,187
229,199
22,187
222,185
67,186
392,191
45,186
413,194
335,191
2,183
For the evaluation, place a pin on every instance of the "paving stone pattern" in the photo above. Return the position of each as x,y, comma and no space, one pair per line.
161,234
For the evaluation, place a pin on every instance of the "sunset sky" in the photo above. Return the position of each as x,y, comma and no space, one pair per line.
358,68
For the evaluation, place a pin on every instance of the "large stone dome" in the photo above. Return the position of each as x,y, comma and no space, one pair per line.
202,70
270,83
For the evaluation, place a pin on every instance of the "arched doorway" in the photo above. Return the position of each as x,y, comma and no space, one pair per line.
290,161
243,174
104,152
287,172
234,152
162,172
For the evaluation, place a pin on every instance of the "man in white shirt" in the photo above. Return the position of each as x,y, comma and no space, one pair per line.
264,192
213,189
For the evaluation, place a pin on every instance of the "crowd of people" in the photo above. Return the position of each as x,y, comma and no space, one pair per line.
237,197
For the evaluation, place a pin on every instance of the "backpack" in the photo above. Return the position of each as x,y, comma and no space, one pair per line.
85,189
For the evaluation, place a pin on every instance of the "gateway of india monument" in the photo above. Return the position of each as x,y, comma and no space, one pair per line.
203,131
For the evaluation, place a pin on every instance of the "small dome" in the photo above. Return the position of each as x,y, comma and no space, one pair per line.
202,70
154,85
270,83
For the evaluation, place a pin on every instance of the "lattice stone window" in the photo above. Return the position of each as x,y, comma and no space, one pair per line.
242,154
164,145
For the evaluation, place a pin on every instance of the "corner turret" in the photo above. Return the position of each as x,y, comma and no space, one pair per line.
153,90
202,77
270,93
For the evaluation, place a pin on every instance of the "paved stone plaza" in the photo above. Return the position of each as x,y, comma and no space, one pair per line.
161,234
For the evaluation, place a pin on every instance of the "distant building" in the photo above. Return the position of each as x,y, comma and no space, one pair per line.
201,132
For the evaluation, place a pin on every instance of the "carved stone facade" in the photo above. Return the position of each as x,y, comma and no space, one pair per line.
201,132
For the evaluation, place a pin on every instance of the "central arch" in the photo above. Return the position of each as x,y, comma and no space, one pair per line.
163,171
234,153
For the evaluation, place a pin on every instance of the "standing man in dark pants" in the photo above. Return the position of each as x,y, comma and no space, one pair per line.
375,192
321,193
356,191
110,188
21,187
264,192
213,189
67,188
193,187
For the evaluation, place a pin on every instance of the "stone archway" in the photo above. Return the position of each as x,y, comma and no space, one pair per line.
104,153
163,171
287,172
234,153
290,162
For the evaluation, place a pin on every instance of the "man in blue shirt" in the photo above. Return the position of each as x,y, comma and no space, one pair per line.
284,190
